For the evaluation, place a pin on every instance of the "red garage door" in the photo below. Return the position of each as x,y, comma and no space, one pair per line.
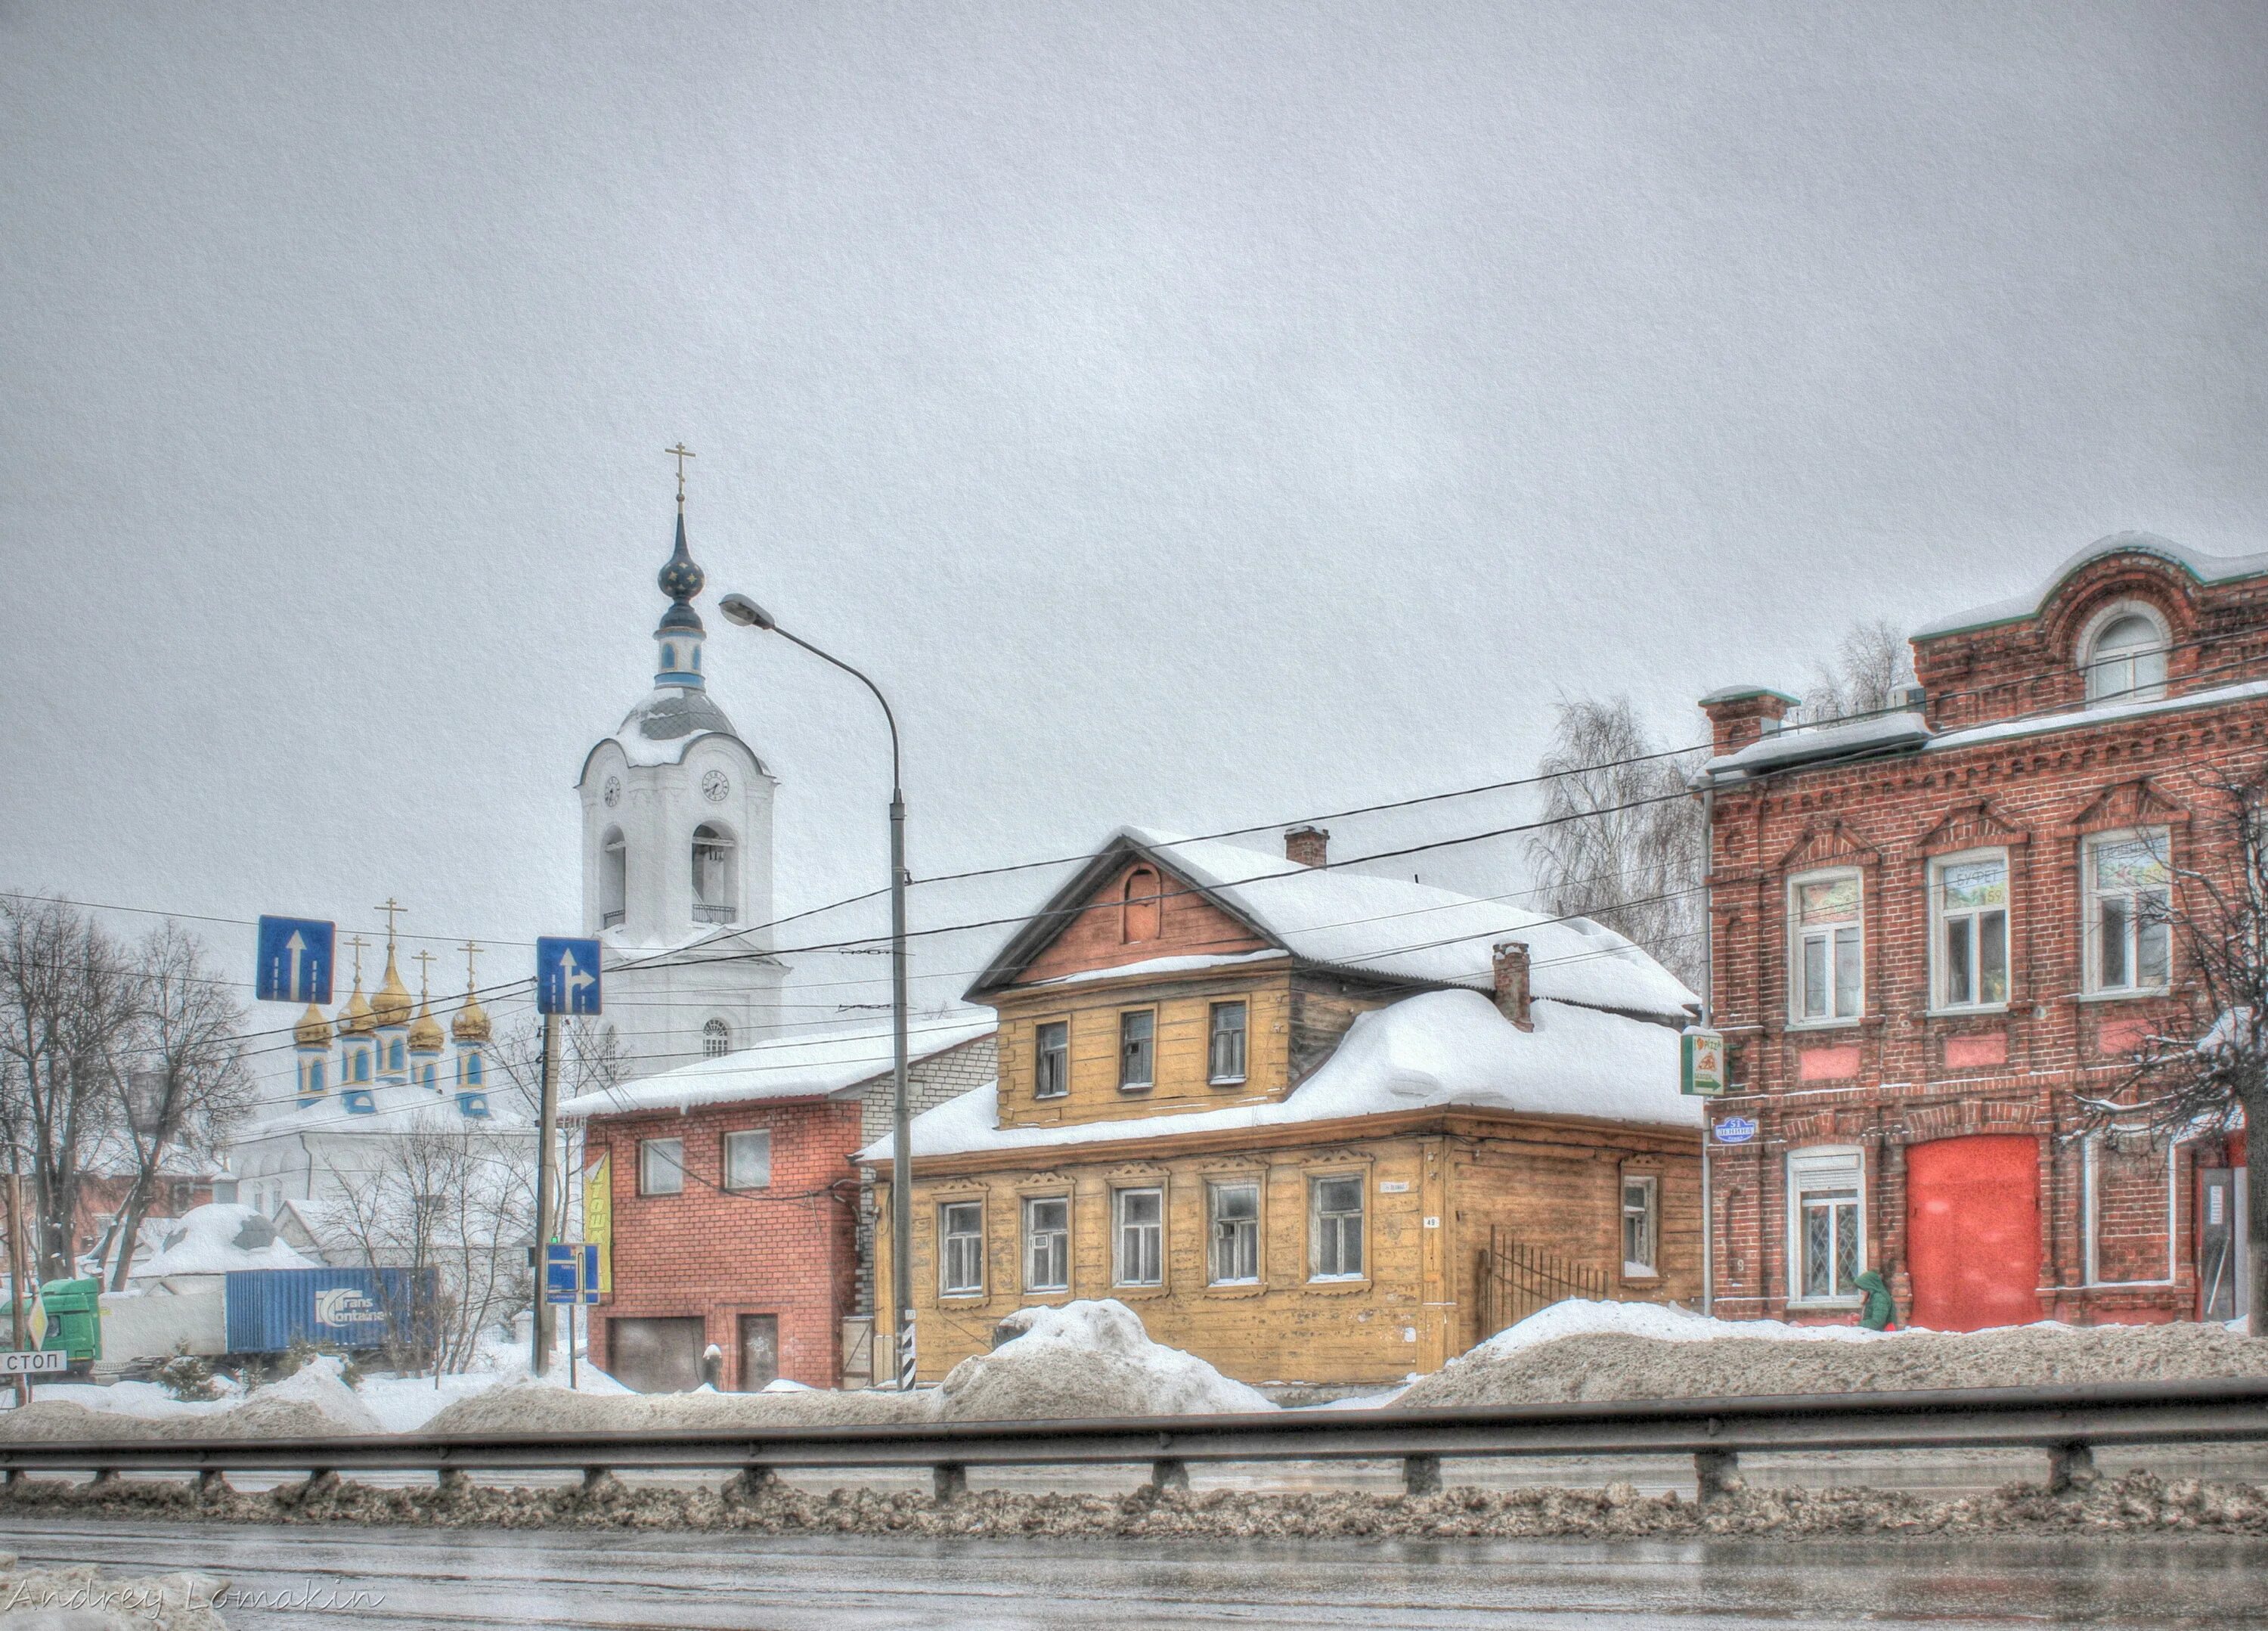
1973,1232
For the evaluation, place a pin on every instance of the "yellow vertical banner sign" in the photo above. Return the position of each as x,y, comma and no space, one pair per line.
599,1216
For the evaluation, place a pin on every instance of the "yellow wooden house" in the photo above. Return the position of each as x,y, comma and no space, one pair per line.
1312,1125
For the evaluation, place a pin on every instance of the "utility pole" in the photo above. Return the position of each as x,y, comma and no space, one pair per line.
547,1119
16,1270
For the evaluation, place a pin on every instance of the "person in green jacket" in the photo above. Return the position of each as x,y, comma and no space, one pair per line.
1879,1313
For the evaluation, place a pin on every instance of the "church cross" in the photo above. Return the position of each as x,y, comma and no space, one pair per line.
471,949
681,453
359,944
425,973
392,911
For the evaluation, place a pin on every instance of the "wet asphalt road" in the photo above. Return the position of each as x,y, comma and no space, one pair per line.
417,1579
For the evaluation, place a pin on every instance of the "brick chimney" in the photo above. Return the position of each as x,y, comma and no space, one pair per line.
1739,716
1512,982
1306,846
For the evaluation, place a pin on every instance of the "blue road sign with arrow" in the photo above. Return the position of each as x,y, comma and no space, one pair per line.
566,975
295,961
571,1272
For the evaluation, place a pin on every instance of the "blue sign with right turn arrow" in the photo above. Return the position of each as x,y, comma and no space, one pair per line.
566,975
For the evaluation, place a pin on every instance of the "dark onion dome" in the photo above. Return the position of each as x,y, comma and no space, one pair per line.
681,578
681,617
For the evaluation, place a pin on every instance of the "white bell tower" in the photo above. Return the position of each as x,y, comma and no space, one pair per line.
677,856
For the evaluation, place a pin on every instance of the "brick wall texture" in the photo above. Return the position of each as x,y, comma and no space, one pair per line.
2115,1232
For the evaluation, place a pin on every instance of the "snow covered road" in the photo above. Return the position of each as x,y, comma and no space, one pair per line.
421,1580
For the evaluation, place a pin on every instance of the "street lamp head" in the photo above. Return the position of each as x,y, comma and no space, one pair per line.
740,610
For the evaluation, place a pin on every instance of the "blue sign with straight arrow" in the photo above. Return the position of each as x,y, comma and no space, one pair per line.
566,975
295,961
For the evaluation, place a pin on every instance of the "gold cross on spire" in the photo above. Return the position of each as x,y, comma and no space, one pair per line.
359,943
423,959
392,911
681,453
472,949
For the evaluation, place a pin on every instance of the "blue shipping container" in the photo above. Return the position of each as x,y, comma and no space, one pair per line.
340,1308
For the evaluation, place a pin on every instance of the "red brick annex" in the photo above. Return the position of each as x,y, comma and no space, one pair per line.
735,1212
1933,927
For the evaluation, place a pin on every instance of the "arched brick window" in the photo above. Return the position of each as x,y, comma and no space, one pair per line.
1138,918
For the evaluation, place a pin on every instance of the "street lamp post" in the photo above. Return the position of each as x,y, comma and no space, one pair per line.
740,610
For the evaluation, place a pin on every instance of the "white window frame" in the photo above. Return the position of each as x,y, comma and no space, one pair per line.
2097,673
721,852
1120,1239
1215,1239
1818,1168
1797,983
1942,1000
1649,1211
1361,1215
649,1151
1040,1051
741,1139
953,1251
2160,841
1032,1282
716,1037
1214,1032
2090,1215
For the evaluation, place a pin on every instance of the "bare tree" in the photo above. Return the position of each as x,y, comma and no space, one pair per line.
186,1087
67,1014
1625,844
453,1200
1871,671
592,1060
2205,1069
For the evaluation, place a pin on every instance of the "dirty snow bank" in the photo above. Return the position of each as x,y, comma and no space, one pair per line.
1576,1350
2138,1504
1086,1359
1080,1360
78,1598
311,1403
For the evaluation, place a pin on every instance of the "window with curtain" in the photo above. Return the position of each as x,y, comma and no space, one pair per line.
1829,954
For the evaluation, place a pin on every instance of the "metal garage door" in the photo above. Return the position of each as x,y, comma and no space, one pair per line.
1973,1232
655,1355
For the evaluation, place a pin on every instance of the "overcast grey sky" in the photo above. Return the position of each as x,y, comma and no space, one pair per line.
1191,414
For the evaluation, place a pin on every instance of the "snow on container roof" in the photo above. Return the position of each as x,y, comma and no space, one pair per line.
812,1065
1412,931
1439,1050
220,1238
2203,568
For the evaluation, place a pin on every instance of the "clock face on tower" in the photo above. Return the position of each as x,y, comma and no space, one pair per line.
715,786
614,792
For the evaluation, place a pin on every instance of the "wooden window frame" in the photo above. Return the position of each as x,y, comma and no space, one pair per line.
1149,1047
1798,984
1064,1199
1040,1029
945,1235
1243,1033
646,1189
725,1157
1118,1193
1361,1177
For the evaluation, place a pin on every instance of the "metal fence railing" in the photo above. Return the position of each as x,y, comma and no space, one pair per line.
2065,1421
1517,1279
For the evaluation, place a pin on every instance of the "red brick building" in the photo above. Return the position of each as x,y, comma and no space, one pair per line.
728,1208
1933,927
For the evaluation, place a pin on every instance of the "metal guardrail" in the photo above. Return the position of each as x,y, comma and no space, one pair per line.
2065,1421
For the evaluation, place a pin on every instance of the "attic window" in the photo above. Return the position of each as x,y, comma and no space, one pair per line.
2125,658
1138,918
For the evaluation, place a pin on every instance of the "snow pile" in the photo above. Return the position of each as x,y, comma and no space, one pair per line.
534,1408
1085,1359
1574,1351
215,1239
311,1403
79,1599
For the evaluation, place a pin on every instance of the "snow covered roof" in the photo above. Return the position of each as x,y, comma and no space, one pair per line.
215,1239
1905,732
666,724
1359,921
392,1105
2203,568
1853,738
1437,1050
811,1065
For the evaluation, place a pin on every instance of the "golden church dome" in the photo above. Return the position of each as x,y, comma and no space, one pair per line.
356,1019
472,1021
425,1031
312,1031
391,1006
